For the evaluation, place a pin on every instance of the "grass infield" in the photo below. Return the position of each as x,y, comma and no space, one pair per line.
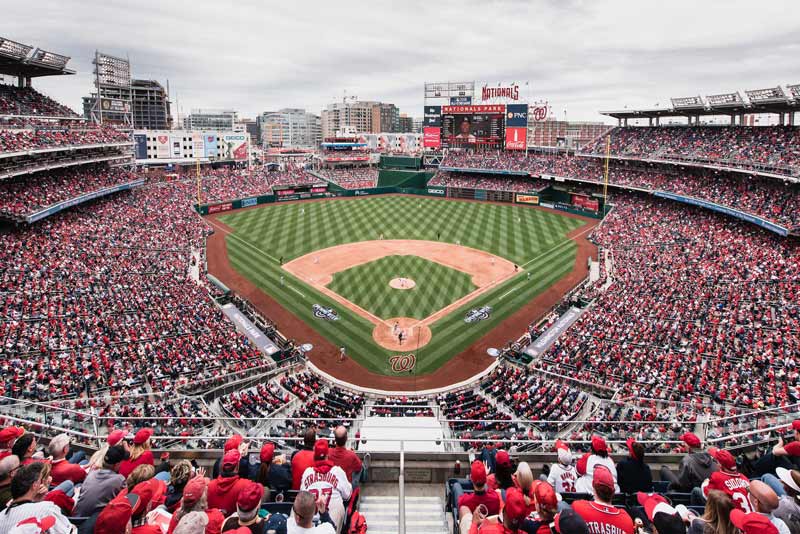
534,239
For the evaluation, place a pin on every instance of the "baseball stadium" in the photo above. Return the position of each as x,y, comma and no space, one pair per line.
505,322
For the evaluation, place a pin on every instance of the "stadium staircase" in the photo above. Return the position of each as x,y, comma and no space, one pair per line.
424,515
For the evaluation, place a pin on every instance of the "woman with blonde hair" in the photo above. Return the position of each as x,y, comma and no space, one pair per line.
140,452
717,518
140,474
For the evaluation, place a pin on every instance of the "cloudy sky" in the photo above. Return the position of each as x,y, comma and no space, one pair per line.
581,56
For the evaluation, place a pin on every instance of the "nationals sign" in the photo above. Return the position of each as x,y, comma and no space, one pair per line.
507,92
402,363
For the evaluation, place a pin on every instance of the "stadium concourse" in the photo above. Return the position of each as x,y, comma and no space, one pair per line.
128,396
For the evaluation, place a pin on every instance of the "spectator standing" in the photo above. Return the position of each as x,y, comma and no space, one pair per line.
695,467
223,491
329,481
728,479
634,474
276,476
563,476
304,458
345,458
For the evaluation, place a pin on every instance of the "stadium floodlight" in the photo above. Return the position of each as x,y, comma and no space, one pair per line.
50,59
687,102
725,99
112,70
13,49
794,90
770,95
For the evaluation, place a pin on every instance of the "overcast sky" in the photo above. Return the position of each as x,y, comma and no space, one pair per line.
582,56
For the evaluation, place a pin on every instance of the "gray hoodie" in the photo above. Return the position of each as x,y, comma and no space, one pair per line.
98,489
694,469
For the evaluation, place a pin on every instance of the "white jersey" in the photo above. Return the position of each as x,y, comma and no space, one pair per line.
595,460
563,478
333,485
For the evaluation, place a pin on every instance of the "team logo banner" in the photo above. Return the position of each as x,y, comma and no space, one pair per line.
321,312
402,363
478,314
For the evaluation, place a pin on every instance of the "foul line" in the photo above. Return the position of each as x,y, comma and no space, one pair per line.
557,246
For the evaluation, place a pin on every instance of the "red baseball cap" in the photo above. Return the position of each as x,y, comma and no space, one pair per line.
231,458
11,432
142,435
752,523
148,491
114,518
233,442
599,444
629,442
478,473
502,458
115,437
724,458
582,464
561,445
321,449
796,425
545,495
267,453
241,530
515,508
193,491
250,496
691,440
602,477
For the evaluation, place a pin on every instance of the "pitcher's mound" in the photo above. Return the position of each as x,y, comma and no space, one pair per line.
386,334
402,283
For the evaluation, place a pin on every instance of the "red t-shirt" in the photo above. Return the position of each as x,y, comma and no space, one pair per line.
346,459
301,461
603,518
734,485
146,529
793,448
127,466
224,491
63,470
490,499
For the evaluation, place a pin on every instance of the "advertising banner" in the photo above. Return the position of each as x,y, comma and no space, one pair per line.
517,115
113,105
433,110
140,146
460,100
247,202
175,144
162,147
439,192
234,146
516,138
198,149
433,121
500,92
216,208
431,137
527,199
210,142
482,108
245,326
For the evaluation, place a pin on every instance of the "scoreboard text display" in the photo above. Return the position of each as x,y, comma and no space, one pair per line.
473,126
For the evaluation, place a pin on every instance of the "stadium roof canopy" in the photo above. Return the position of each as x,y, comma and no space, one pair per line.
771,100
25,61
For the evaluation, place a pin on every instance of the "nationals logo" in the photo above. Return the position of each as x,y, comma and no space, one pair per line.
509,92
162,139
540,113
402,363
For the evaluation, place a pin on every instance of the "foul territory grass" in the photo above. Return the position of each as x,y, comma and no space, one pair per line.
534,239
436,286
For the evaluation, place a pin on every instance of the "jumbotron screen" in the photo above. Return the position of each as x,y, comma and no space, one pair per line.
473,129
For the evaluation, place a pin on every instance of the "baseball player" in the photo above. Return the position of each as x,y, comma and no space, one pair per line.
400,337
529,276
342,353
281,280
327,481
395,328
302,211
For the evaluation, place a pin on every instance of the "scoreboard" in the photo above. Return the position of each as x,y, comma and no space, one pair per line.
478,127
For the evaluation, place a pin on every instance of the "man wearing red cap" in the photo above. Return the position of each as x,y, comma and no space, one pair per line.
695,467
8,436
501,478
468,502
224,490
327,481
728,480
752,523
545,504
195,499
508,522
600,515
247,506
237,442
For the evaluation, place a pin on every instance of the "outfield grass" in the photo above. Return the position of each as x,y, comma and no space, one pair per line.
534,239
367,286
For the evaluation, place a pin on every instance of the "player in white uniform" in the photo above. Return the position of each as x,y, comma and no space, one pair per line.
563,475
327,481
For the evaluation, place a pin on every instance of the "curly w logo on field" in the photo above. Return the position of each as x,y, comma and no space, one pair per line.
403,363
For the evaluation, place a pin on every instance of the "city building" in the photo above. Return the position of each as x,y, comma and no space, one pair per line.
364,116
211,119
151,105
290,128
418,124
250,126
405,124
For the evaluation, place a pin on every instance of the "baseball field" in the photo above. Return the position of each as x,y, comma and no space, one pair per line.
361,271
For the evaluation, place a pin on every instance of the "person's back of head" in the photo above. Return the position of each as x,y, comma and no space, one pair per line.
140,474
340,436
26,478
7,467
21,446
192,523
638,451
57,446
309,438
304,507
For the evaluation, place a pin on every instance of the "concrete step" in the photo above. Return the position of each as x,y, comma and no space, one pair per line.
423,515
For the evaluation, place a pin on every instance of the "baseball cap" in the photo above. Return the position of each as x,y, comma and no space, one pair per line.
11,432
193,491
233,442
569,522
148,491
321,449
142,435
231,459
724,458
752,523
691,439
790,478
795,425
115,437
653,503
629,442
502,458
32,525
564,454
515,508
599,444
582,464
545,495
477,473
267,453
602,477
114,518
115,455
250,496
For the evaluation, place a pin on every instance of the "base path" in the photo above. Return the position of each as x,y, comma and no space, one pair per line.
415,334
460,367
